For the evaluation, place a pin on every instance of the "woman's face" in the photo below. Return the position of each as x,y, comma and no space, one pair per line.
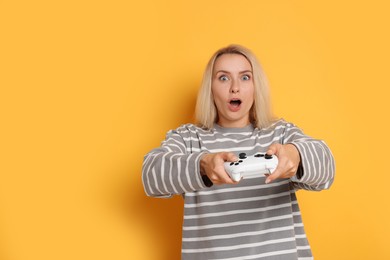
233,90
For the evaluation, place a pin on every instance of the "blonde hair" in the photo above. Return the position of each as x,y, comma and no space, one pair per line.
260,114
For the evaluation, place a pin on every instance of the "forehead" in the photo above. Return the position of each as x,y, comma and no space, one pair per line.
232,63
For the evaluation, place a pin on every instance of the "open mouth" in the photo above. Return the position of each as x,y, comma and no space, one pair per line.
235,102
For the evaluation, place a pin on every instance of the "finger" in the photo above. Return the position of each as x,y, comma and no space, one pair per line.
273,148
229,180
220,176
229,157
216,180
273,176
225,180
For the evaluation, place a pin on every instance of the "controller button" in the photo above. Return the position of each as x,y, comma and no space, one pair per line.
268,156
240,161
236,164
259,155
242,155
231,163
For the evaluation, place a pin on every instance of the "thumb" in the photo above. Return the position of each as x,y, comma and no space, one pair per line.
273,148
229,157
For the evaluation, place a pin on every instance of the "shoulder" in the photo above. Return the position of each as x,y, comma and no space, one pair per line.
187,130
280,128
277,125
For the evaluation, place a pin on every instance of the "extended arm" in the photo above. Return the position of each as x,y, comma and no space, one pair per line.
307,161
170,169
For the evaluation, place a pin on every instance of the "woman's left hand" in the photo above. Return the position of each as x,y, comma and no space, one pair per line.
289,160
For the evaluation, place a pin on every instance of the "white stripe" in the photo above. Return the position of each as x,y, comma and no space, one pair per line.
303,137
236,189
170,146
197,170
233,149
235,212
222,140
250,137
238,223
331,162
329,167
178,163
171,175
188,172
297,213
325,165
211,134
303,247
177,143
274,253
155,181
163,173
327,185
148,171
306,164
223,134
313,168
235,235
318,177
224,248
213,203
145,176
279,123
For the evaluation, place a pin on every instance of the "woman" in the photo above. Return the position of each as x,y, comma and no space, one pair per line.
254,218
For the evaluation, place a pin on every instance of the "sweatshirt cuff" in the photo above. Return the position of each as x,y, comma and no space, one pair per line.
299,176
202,180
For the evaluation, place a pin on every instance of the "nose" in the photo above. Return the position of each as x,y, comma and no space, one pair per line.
235,88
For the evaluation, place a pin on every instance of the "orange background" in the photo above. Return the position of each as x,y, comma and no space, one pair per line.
89,87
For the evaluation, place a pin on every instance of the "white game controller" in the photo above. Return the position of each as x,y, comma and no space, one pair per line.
251,166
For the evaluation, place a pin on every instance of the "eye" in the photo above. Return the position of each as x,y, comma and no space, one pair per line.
245,77
223,78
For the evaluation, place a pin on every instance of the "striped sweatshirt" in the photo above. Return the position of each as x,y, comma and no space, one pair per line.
248,220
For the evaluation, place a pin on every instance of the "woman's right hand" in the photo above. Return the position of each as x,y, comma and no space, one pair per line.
211,164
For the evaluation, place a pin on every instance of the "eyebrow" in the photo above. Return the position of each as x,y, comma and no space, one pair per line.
241,72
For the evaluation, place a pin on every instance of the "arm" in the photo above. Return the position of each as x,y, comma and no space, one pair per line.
307,161
170,169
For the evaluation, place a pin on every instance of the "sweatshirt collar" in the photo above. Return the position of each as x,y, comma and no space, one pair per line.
248,128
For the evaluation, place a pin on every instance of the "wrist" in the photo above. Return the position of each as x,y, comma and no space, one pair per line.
202,169
295,151
299,173
203,164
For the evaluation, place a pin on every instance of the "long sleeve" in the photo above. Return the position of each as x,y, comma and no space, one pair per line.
171,169
317,168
